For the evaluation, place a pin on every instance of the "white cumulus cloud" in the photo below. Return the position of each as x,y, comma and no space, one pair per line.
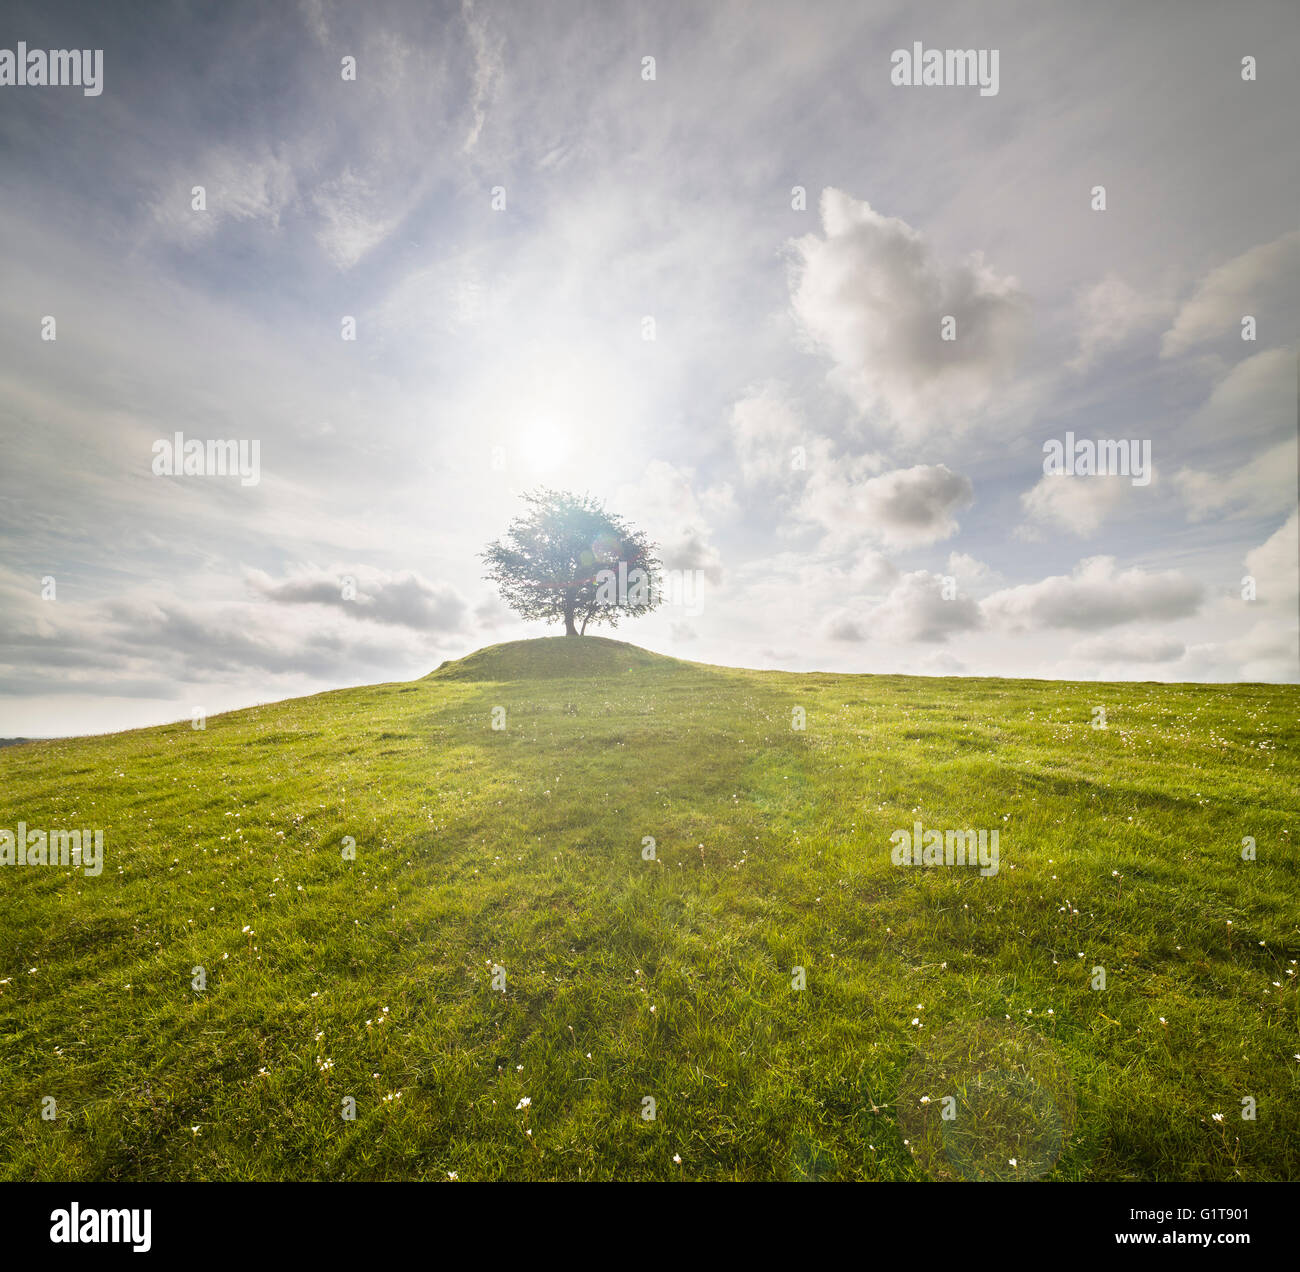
871,293
1095,596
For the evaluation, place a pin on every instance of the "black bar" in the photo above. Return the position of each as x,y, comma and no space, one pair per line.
372,1220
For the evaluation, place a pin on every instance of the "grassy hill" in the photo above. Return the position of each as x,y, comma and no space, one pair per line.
521,848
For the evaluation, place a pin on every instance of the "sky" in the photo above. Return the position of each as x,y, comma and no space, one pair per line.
711,290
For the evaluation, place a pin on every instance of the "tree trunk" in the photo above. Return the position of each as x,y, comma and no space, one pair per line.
570,604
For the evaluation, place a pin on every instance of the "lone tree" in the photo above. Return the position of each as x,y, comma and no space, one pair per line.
568,558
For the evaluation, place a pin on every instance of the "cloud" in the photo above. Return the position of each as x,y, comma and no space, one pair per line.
488,69
492,613
1253,402
917,610
313,14
1134,647
968,571
256,184
765,429
909,507
1275,566
690,549
1095,596
148,644
1080,505
845,626
719,500
1260,488
348,224
402,598
1270,651
216,642
870,569
941,663
871,294
664,504
1110,314
1262,282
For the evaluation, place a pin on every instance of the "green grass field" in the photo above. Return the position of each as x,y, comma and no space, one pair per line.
521,848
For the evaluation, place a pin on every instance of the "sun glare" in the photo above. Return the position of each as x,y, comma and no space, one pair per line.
544,445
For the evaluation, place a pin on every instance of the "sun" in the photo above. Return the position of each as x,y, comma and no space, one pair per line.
544,445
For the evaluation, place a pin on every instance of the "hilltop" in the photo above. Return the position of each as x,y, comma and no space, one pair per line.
583,875
555,657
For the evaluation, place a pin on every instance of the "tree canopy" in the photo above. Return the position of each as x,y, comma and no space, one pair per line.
567,558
